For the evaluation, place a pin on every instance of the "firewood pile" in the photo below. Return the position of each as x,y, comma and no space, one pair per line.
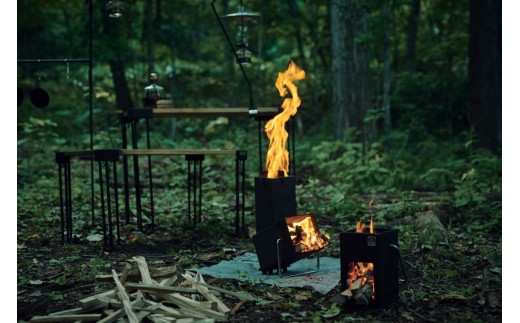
146,294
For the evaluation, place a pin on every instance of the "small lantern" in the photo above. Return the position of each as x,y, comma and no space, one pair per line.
153,92
241,18
115,8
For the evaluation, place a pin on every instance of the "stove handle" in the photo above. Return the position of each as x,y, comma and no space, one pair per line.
401,261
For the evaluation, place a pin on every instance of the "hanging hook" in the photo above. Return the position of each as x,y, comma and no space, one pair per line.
67,68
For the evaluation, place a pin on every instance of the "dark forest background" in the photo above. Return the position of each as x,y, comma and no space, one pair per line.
401,97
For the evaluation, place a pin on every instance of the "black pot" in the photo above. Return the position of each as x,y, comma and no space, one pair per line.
39,97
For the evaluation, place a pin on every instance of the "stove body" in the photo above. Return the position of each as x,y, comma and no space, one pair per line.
275,206
379,248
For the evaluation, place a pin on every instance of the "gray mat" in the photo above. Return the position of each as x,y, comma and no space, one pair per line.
246,268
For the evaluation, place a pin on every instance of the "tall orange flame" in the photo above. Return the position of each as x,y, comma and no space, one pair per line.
277,156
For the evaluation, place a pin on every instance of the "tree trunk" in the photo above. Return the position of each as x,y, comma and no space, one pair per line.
338,26
173,128
448,92
351,73
386,73
413,23
123,99
358,77
293,11
149,36
315,66
230,66
485,72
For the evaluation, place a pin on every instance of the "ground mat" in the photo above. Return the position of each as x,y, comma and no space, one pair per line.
246,268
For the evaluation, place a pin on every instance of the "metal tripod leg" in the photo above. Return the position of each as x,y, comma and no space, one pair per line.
278,257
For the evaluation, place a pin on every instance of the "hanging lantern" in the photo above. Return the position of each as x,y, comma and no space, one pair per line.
115,8
241,18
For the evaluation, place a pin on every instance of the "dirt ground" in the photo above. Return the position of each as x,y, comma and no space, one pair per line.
456,284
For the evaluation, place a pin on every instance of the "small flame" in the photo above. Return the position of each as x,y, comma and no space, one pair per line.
363,270
306,236
360,227
277,156
370,210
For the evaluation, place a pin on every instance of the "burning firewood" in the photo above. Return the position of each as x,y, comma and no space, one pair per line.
363,295
360,291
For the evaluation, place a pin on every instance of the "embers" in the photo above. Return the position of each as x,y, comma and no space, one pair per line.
369,268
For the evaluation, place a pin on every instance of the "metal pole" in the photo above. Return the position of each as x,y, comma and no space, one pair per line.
237,203
61,204
259,147
152,215
100,171
54,60
116,197
251,102
90,91
69,201
109,207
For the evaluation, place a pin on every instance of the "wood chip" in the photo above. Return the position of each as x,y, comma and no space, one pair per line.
237,307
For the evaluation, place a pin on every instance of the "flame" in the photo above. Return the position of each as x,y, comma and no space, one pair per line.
306,236
360,227
370,210
363,270
277,156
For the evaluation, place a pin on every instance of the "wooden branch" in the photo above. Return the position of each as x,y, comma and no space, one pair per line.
120,312
237,307
165,289
184,302
77,310
135,274
205,292
123,278
67,318
124,298
165,309
168,281
239,295
356,284
143,269
204,313
93,302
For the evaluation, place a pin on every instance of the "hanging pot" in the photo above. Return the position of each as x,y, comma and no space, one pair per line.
20,96
39,97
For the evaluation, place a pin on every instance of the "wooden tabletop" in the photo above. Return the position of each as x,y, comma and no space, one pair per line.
213,112
146,152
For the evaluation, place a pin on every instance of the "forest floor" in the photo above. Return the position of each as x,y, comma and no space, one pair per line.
456,279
